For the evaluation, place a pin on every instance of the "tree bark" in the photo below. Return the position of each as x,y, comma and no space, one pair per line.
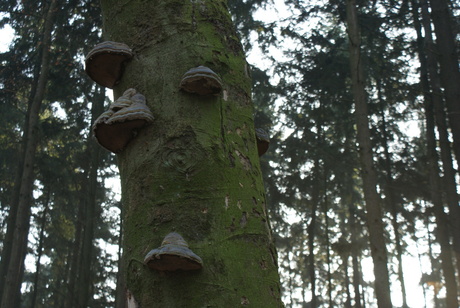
373,202
195,170
13,279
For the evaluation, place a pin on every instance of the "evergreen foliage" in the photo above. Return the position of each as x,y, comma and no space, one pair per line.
63,154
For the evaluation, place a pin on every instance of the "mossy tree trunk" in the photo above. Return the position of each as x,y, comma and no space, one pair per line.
195,170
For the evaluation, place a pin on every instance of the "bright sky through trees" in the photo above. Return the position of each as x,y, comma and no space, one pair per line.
6,35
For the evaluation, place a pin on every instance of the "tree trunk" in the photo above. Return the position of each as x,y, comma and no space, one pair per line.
73,260
91,204
450,185
12,213
420,262
40,250
433,261
435,185
328,247
354,233
61,297
345,258
357,277
373,202
448,60
390,197
311,230
195,170
14,272
442,233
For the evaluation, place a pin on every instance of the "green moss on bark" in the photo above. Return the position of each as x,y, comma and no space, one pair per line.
195,170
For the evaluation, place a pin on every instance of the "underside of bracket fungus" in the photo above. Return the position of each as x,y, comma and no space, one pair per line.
115,128
263,141
104,63
201,80
173,255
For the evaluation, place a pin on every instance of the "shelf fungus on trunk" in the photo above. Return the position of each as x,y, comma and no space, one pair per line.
263,141
201,80
104,63
173,254
115,128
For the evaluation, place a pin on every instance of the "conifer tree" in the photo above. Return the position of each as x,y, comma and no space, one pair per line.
373,201
13,261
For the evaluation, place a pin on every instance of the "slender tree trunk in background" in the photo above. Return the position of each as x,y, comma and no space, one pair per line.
195,170
74,257
420,262
430,254
11,222
311,230
12,213
291,285
357,277
304,294
328,249
78,279
91,204
354,233
390,197
40,251
450,185
346,238
448,60
345,258
427,68
14,272
61,298
442,233
373,202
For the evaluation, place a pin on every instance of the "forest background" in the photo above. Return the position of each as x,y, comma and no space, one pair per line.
299,56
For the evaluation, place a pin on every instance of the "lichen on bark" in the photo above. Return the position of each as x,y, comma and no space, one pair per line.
195,170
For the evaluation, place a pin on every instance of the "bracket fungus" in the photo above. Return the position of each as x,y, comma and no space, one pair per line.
173,254
104,63
263,141
202,81
115,128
